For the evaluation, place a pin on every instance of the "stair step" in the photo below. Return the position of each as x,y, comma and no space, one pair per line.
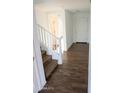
50,68
47,59
43,52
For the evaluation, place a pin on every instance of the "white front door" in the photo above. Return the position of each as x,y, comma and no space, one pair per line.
82,30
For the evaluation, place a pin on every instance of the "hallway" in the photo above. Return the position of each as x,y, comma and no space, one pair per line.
72,76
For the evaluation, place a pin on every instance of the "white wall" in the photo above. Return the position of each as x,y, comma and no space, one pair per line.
68,28
41,18
38,70
77,16
71,19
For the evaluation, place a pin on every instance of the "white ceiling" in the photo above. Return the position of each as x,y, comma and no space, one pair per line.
72,5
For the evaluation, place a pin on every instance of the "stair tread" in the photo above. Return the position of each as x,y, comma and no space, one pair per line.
47,58
50,68
43,52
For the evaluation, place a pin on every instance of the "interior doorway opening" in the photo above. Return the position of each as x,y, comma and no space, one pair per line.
56,27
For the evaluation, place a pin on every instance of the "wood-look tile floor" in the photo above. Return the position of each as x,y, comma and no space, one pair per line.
72,75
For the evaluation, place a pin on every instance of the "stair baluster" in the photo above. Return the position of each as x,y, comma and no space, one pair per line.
51,41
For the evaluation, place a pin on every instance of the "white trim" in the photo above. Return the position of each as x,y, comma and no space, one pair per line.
89,62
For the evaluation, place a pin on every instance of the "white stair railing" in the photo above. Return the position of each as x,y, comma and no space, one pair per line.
50,41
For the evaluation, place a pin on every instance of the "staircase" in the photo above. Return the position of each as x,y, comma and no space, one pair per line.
50,43
48,63
50,46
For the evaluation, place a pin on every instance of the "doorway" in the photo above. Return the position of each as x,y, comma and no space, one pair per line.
82,30
53,25
56,28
